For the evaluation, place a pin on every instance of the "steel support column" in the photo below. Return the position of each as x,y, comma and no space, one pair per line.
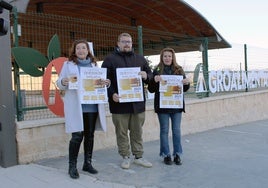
8,146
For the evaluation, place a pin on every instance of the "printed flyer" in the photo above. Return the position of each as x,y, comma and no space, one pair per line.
130,88
171,91
92,92
73,82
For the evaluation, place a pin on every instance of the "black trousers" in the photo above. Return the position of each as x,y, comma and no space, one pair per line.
89,120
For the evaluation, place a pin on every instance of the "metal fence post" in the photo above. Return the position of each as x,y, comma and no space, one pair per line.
205,64
140,43
19,111
246,64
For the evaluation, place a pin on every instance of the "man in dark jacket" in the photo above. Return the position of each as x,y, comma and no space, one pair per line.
128,117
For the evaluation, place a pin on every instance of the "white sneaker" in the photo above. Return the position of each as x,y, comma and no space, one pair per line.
126,163
143,162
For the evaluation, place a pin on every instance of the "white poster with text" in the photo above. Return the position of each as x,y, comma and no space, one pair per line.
171,91
130,88
92,91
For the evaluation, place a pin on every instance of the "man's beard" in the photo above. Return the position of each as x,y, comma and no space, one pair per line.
127,49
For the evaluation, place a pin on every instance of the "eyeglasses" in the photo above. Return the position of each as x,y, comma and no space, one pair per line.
126,42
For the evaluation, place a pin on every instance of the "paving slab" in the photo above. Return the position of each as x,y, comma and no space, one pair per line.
228,157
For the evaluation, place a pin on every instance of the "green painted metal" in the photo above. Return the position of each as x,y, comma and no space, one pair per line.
19,111
47,25
53,50
205,71
246,63
15,27
30,60
140,43
205,64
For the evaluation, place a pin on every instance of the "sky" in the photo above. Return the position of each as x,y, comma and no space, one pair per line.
237,21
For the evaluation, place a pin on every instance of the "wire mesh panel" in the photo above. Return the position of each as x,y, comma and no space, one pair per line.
37,30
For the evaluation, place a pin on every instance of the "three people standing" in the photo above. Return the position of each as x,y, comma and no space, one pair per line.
128,117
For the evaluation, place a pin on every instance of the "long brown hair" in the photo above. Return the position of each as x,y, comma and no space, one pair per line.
175,67
72,55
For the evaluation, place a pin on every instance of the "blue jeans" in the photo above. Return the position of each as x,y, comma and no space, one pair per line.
164,133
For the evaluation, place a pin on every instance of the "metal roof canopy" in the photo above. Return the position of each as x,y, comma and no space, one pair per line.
185,28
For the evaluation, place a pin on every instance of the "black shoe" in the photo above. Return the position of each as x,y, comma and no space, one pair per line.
73,173
89,168
177,160
167,160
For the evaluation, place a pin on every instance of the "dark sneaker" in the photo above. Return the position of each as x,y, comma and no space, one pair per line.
177,160
167,160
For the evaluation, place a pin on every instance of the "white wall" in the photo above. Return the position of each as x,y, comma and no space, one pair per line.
47,138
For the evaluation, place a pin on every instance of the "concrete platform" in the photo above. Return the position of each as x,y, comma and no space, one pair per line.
229,157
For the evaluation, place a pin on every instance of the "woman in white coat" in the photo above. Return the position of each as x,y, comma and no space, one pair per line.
80,119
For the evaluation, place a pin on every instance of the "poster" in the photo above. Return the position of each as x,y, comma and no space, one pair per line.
130,88
171,91
92,92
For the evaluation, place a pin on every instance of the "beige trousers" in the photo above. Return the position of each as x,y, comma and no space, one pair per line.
128,129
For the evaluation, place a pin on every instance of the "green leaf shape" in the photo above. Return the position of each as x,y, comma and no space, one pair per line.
53,49
30,60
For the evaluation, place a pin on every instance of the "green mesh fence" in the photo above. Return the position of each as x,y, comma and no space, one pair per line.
36,32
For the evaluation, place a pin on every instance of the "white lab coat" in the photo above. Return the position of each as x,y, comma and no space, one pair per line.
72,106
